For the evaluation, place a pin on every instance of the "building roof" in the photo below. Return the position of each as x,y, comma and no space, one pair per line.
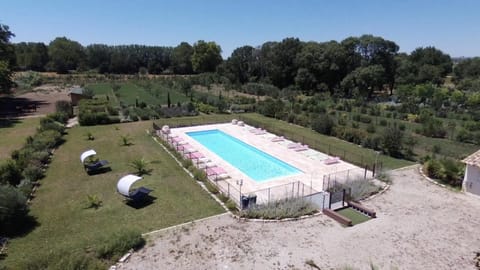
77,90
473,159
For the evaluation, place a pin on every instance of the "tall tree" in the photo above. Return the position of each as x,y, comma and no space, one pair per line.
240,64
98,57
283,68
65,54
7,59
206,56
431,64
31,56
182,59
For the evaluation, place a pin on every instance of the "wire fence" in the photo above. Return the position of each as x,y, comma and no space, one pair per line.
232,188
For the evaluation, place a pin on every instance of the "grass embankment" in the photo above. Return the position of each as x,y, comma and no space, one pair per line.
326,144
129,93
355,216
64,224
14,132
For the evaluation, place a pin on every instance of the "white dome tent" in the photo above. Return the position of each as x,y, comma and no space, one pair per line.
93,167
124,184
87,154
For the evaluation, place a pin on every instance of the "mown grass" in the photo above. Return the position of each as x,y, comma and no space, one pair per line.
353,215
60,204
129,93
14,134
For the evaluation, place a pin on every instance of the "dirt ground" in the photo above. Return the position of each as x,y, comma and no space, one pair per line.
40,101
419,226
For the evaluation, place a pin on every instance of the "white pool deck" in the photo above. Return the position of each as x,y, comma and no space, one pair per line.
310,162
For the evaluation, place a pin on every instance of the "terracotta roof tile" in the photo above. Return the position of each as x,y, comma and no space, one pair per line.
473,159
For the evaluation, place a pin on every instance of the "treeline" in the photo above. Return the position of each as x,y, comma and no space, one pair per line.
354,67
63,55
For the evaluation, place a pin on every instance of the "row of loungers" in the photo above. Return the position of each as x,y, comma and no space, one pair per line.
297,147
212,171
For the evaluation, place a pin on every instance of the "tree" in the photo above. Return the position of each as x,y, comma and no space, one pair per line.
364,81
283,68
206,56
240,64
6,81
98,57
7,59
65,54
392,141
31,56
182,59
431,64
323,124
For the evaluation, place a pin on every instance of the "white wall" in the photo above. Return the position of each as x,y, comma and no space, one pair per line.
471,182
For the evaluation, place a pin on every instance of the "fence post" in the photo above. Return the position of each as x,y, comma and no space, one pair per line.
293,190
365,175
228,189
268,195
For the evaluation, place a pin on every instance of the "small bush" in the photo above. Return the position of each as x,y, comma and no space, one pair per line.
222,197
33,172
117,244
383,122
231,205
323,124
93,201
371,128
212,188
199,175
287,208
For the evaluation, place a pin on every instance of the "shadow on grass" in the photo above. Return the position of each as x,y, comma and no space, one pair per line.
100,171
22,228
148,200
8,122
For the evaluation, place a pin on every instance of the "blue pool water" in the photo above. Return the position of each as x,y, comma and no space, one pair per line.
257,164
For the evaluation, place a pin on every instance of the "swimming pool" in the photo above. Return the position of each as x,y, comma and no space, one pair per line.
255,163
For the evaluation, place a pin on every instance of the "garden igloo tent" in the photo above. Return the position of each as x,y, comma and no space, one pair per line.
126,182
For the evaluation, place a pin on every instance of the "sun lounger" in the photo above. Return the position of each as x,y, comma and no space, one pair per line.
139,194
331,160
293,145
301,148
278,139
90,167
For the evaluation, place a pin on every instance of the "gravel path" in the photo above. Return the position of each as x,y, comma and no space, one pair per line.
419,226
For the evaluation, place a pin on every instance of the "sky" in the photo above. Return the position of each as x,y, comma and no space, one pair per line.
452,26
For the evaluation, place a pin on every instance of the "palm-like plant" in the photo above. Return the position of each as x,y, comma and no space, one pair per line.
89,136
141,166
126,140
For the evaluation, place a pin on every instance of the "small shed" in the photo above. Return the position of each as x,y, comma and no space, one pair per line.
76,94
471,181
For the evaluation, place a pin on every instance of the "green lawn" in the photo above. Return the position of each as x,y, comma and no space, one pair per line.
59,204
104,90
14,133
327,144
131,92
355,216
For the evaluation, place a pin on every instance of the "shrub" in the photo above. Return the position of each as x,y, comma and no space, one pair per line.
371,128
231,205
323,124
65,107
392,141
61,260
402,126
212,188
434,169
48,123
33,172
60,117
14,209
140,166
383,122
199,175
372,142
93,201
10,173
355,125
117,244
287,208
